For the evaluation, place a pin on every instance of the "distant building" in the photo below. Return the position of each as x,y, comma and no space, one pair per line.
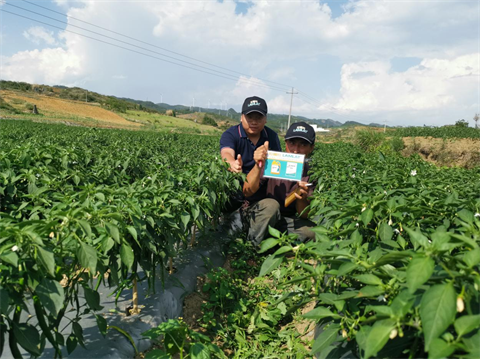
319,129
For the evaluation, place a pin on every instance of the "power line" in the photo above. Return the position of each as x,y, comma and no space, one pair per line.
146,43
151,56
136,46
214,73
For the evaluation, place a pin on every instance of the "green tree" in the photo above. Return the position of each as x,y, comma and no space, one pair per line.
461,123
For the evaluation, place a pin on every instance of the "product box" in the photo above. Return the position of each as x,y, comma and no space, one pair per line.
283,165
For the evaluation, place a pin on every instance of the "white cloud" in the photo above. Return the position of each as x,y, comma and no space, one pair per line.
37,34
49,66
434,84
277,41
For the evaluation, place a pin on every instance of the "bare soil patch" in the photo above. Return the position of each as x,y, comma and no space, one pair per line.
461,152
57,109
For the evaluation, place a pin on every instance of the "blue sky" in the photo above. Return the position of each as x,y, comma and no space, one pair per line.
399,62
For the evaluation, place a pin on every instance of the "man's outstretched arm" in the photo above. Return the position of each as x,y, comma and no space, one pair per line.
252,184
228,154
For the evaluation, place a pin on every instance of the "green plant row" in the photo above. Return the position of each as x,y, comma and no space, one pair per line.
79,207
395,269
438,132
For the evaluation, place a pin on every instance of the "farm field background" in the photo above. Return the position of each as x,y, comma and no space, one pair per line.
396,249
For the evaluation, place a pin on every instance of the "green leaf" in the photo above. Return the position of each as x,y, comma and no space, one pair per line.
112,230
282,250
126,255
102,324
385,232
369,279
472,257
47,260
326,338
440,349
271,263
10,258
4,300
101,197
93,298
437,311
466,216
378,337
419,271
392,257
274,232
85,227
402,303
346,268
71,343
28,338
370,291
51,296
199,351
367,216
78,330
87,256
157,354
466,324
133,232
267,244
417,238
185,218
320,313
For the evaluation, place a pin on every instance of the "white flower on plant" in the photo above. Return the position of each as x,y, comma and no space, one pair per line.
149,177
385,193
363,172
14,248
393,333
37,175
356,224
476,214
381,298
364,208
354,168
413,173
180,183
353,176
390,222
396,231
460,304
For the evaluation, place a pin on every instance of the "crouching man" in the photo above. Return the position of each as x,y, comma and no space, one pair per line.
271,211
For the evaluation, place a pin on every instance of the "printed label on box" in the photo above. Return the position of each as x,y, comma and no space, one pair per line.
284,165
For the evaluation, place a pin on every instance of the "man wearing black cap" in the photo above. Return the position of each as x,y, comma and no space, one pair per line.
238,143
271,211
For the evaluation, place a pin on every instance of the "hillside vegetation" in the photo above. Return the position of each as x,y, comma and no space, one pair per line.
76,106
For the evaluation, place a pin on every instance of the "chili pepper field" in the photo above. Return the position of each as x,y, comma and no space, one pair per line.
87,214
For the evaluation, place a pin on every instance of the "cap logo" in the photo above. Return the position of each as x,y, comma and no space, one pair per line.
300,129
254,103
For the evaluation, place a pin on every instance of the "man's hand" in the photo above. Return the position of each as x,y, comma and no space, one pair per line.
302,191
260,154
236,166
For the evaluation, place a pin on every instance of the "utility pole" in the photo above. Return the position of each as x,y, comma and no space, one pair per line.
291,102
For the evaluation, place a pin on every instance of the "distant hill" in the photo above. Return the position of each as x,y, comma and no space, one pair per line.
122,104
354,123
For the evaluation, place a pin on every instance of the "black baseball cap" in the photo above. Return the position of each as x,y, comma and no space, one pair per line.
301,130
254,104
